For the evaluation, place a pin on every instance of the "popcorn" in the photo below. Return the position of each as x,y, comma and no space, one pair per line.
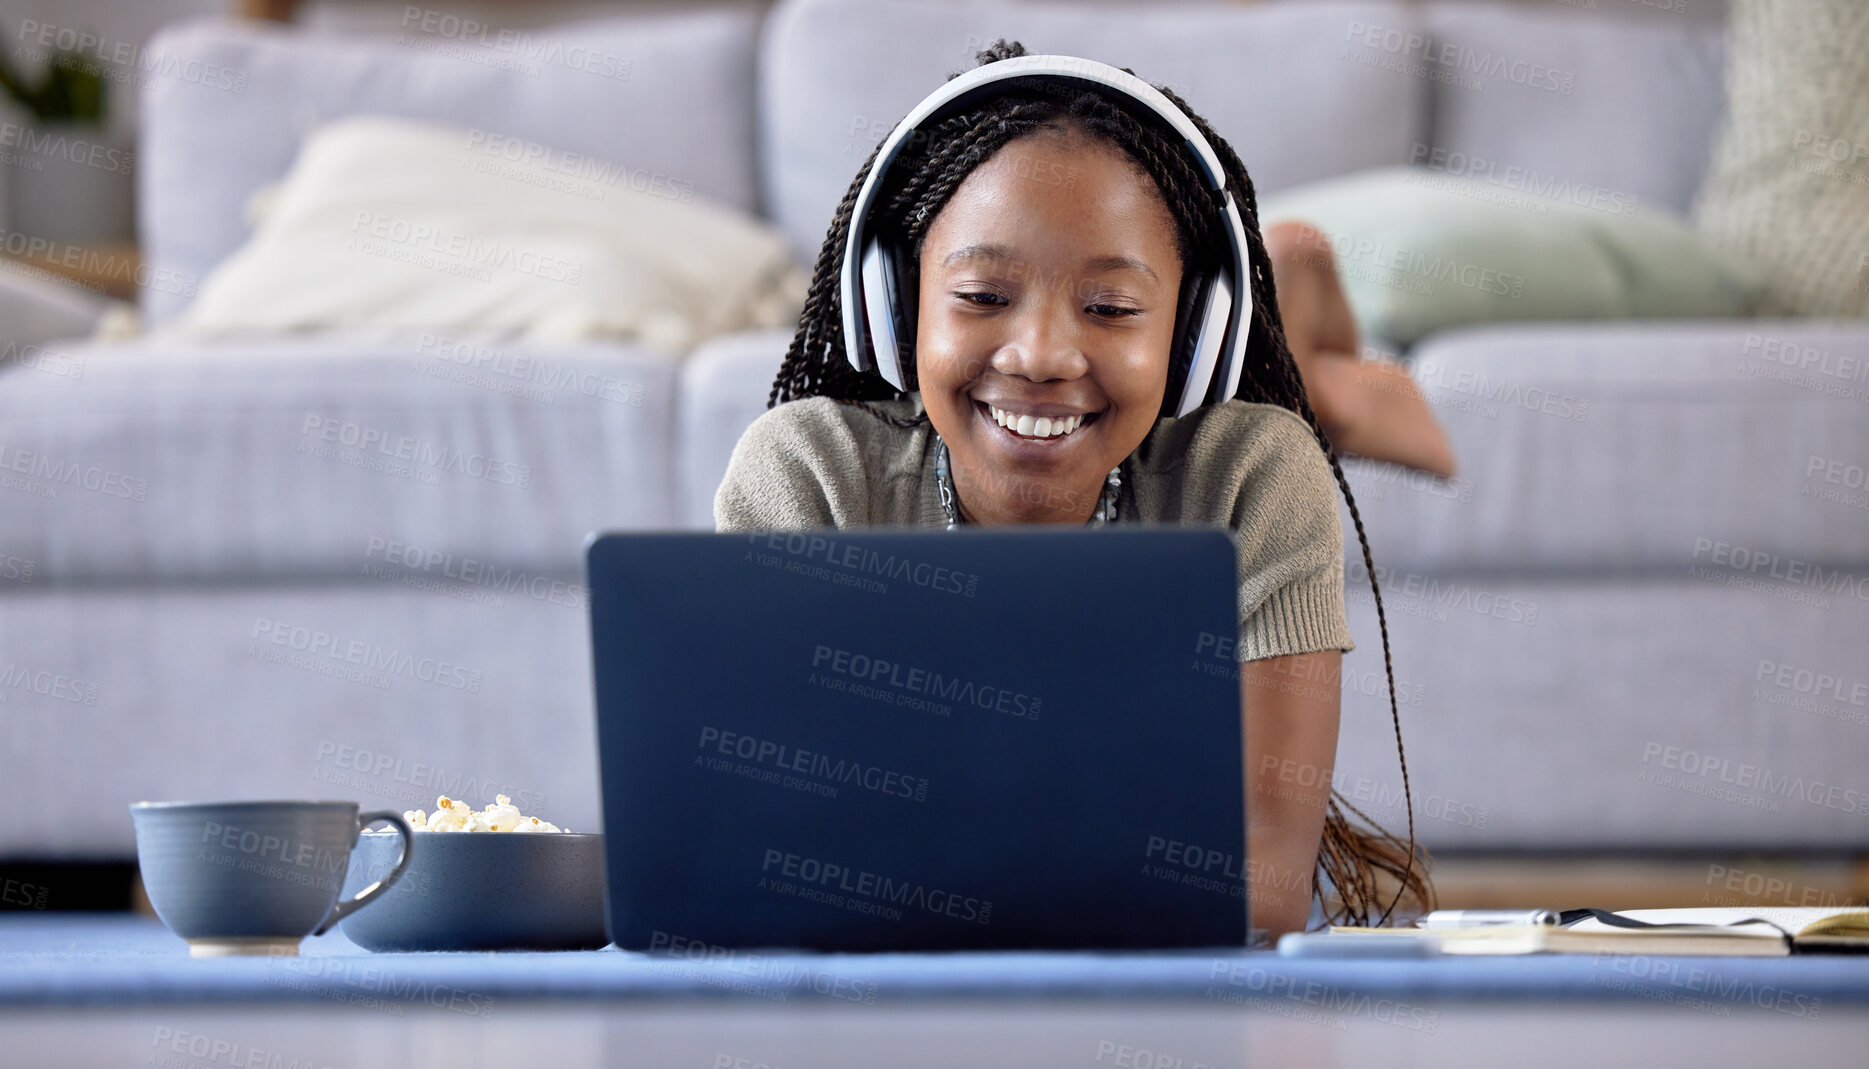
500,815
450,815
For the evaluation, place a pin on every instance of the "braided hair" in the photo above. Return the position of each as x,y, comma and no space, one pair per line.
931,165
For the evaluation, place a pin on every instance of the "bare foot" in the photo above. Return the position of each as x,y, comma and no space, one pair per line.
1367,407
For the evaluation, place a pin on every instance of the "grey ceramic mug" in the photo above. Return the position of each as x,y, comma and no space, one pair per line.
254,877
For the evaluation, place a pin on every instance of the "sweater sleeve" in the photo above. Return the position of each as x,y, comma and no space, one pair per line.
1259,470
798,466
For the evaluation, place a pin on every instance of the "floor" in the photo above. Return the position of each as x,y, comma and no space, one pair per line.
975,1035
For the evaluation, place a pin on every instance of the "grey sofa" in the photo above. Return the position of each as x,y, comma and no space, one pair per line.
1637,620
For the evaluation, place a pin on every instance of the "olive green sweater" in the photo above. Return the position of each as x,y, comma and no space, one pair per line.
1253,469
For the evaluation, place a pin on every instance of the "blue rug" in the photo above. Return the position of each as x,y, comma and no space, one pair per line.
111,959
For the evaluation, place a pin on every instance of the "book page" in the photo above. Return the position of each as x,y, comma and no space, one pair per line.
1853,920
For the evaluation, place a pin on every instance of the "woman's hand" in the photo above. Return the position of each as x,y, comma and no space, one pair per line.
1290,707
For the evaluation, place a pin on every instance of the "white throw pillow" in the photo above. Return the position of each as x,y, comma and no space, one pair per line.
385,223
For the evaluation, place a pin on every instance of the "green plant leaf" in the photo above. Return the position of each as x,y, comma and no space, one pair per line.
72,89
10,81
82,87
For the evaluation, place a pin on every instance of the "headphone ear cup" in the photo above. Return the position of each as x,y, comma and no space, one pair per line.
889,316
1196,291
905,302
878,314
858,299
1209,315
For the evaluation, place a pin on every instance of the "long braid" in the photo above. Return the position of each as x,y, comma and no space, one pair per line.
1357,853
814,363
931,166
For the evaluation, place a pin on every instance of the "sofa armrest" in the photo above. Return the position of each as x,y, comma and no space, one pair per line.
724,386
34,311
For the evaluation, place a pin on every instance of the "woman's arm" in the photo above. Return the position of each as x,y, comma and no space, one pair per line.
798,466
1290,707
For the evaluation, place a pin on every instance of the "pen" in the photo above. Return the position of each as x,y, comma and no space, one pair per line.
1482,918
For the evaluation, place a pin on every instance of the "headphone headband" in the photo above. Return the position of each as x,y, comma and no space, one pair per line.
870,297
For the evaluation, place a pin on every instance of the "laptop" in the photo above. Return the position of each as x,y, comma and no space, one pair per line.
898,739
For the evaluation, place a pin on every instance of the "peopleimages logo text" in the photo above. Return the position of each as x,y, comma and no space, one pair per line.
866,561
70,473
1452,57
904,677
396,446
422,776
472,572
1747,561
48,685
906,893
560,52
365,656
1756,778
812,763
1813,683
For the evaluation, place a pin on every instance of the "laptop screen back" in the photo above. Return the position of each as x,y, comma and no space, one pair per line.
904,740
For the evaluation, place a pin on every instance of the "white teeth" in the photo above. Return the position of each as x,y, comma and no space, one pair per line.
1036,426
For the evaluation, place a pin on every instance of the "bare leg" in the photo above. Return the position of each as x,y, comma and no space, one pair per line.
1368,408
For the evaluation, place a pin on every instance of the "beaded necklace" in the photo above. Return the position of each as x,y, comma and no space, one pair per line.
944,482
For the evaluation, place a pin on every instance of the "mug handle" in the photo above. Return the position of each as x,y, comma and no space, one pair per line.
374,891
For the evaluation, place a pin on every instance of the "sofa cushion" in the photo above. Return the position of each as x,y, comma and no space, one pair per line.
1542,713
386,693
1272,80
668,96
1737,448
36,309
1583,743
1589,109
440,459
724,386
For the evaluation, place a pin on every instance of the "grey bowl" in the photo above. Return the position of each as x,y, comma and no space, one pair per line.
482,891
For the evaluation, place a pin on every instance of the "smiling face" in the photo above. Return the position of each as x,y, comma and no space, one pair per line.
1048,295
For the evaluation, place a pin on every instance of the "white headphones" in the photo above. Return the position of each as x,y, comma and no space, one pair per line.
1217,315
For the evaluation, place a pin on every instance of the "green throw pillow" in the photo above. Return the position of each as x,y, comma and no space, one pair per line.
1420,251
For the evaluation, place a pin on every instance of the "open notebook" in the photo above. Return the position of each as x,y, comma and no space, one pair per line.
1762,932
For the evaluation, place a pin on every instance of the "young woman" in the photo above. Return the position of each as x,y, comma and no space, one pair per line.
1049,229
